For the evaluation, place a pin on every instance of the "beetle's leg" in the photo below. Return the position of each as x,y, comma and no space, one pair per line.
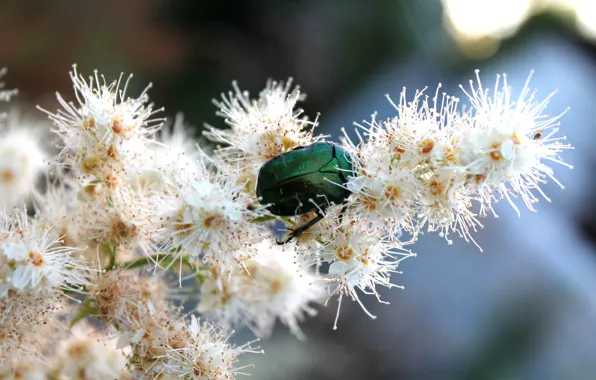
343,210
298,231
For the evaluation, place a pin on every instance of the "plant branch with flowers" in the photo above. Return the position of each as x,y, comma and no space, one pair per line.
135,219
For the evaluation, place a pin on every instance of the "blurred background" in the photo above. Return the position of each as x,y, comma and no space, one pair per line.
525,308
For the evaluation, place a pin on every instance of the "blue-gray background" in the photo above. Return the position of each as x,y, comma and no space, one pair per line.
525,308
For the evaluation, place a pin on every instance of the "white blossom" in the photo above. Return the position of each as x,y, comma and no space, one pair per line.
207,354
169,159
36,268
21,158
271,285
509,143
88,355
396,159
382,189
59,206
261,129
429,165
105,129
25,318
36,258
117,293
164,344
360,257
208,217
445,206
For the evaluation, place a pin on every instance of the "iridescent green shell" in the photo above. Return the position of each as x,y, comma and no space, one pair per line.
316,172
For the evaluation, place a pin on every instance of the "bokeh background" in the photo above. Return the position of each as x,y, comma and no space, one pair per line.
525,308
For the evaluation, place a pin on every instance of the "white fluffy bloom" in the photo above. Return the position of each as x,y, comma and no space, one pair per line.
260,129
444,206
59,206
21,159
207,355
265,127
425,167
105,129
167,160
37,260
163,344
88,355
382,189
271,285
117,293
207,216
509,143
406,170
360,256
85,218
25,318
117,220
22,367
35,269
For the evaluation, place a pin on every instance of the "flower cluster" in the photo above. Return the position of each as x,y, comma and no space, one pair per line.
35,270
86,353
129,199
105,129
206,217
422,170
158,340
426,167
79,353
260,129
21,156
361,256
164,344
271,285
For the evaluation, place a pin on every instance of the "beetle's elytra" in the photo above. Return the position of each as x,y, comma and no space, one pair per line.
288,182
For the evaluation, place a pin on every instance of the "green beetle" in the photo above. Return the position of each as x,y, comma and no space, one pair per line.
305,179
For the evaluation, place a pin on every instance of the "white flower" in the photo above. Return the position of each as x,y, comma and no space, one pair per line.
30,324
445,206
421,134
382,189
35,270
150,332
509,143
59,206
21,159
262,128
167,160
208,217
105,129
163,344
360,256
427,166
86,218
117,293
206,355
88,355
115,221
37,258
404,171
22,367
271,285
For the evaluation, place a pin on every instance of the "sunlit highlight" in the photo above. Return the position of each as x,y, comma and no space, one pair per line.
477,26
